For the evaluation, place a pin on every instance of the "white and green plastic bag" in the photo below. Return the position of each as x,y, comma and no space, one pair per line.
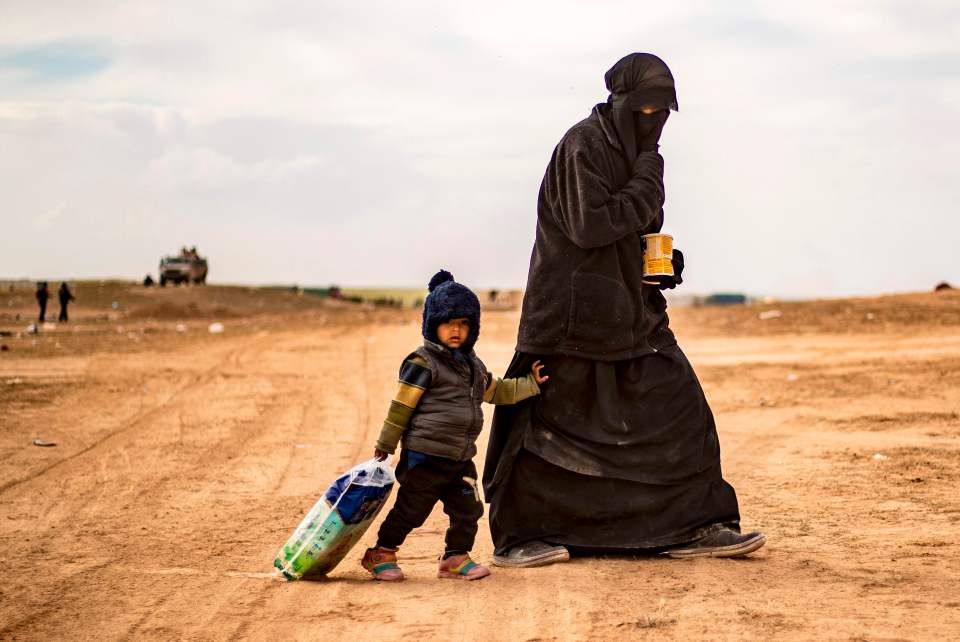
337,522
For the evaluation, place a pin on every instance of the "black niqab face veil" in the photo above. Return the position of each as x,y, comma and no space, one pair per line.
639,81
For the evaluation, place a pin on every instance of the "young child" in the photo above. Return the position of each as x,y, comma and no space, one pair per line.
436,413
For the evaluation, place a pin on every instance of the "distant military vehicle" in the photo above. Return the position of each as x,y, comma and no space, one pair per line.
188,267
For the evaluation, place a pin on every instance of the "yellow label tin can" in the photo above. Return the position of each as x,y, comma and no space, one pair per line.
657,257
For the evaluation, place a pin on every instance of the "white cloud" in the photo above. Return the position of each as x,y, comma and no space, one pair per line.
201,168
413,135
46,220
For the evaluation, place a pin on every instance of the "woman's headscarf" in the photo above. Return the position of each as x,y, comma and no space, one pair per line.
635,82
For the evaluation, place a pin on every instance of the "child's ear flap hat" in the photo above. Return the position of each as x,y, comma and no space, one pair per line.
450,300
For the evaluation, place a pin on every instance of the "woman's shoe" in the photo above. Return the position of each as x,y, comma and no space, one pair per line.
721,543
535,553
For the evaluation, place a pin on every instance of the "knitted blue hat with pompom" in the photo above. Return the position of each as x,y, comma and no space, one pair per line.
450,300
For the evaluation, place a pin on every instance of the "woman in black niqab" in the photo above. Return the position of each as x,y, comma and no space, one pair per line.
620,450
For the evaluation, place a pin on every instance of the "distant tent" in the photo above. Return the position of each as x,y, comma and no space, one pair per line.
726,298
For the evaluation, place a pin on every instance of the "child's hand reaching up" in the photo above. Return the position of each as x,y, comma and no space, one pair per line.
536,368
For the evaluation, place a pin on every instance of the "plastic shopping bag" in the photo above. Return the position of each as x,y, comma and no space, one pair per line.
336,522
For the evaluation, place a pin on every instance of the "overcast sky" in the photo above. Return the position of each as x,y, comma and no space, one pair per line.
370,143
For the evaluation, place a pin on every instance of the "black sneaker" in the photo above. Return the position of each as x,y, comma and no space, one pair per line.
535,553
721,543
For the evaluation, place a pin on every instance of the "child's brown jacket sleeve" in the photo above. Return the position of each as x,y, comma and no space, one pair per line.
505,392
414,380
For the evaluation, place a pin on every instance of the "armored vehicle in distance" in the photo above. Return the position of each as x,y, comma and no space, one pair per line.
188,267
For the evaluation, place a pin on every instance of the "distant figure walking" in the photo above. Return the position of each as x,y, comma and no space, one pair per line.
43,295
65,298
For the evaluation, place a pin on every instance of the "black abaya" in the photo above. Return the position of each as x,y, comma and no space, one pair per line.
613,455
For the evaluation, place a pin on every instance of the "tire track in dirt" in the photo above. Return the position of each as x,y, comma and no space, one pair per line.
344,405
134,629
90,501
39,615
289,453
216,458
328,387
131,423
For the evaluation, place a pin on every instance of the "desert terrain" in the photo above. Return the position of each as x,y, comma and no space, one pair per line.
185,458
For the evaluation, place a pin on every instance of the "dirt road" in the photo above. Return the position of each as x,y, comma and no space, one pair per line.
180,469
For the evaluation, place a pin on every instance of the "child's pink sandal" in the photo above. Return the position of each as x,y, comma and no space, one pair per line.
461,567
382,563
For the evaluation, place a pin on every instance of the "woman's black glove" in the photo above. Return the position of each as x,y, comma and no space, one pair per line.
668,282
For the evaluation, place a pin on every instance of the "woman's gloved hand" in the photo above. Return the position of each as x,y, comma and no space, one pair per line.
649,127
668,282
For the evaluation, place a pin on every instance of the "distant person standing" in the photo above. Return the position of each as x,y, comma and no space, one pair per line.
65,298
43,295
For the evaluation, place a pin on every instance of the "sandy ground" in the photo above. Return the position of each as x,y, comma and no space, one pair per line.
184,460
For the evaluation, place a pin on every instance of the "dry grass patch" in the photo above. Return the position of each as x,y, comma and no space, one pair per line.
658,619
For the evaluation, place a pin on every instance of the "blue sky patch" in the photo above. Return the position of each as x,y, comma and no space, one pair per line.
58,61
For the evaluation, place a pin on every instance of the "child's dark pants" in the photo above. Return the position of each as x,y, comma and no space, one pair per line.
424,480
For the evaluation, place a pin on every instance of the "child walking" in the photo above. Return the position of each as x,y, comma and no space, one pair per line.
437,416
